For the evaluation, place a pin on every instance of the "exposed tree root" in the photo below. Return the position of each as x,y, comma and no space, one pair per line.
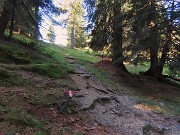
98,100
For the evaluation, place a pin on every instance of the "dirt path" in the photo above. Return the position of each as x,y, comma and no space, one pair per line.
122,113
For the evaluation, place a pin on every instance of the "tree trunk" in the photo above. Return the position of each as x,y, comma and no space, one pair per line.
72,37
153,58
5,17
37,33
117,36
167,43
12,20
154,46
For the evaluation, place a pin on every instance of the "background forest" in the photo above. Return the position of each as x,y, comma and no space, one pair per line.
129,31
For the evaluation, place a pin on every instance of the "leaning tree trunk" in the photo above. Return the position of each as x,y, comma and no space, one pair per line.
5,17
117,36
154,46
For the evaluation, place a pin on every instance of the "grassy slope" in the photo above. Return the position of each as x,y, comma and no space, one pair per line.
30,77
49,65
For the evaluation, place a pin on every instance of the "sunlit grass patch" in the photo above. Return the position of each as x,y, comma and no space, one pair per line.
81,56
136,69
163,106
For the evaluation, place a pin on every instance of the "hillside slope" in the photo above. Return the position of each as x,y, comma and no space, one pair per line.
33,82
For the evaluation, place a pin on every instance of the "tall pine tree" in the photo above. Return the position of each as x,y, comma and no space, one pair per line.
76,25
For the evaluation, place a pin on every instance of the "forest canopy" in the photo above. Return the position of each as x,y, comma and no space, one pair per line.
137,30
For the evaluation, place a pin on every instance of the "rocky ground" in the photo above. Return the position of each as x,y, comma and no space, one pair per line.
122,113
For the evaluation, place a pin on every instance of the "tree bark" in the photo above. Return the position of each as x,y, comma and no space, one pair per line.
5,17
154,46
117,36
167,43
72,37
37,33
12,20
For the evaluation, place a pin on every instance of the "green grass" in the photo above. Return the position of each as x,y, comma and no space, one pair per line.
136,69
47,60
144,67
19,117
103,76
16,54
81,56
50,70
8,79
170,102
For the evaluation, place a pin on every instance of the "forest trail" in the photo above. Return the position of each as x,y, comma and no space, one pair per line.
123,113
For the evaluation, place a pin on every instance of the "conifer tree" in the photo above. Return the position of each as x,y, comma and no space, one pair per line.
28,16
107,21
76,27
51,35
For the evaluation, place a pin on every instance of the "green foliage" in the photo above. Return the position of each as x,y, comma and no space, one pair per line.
174,66
139,27
76,25
51,35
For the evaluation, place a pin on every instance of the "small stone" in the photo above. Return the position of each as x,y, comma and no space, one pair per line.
161,103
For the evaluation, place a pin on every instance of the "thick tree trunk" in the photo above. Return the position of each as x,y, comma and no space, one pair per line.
154,46
153,58
5,17
117,37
